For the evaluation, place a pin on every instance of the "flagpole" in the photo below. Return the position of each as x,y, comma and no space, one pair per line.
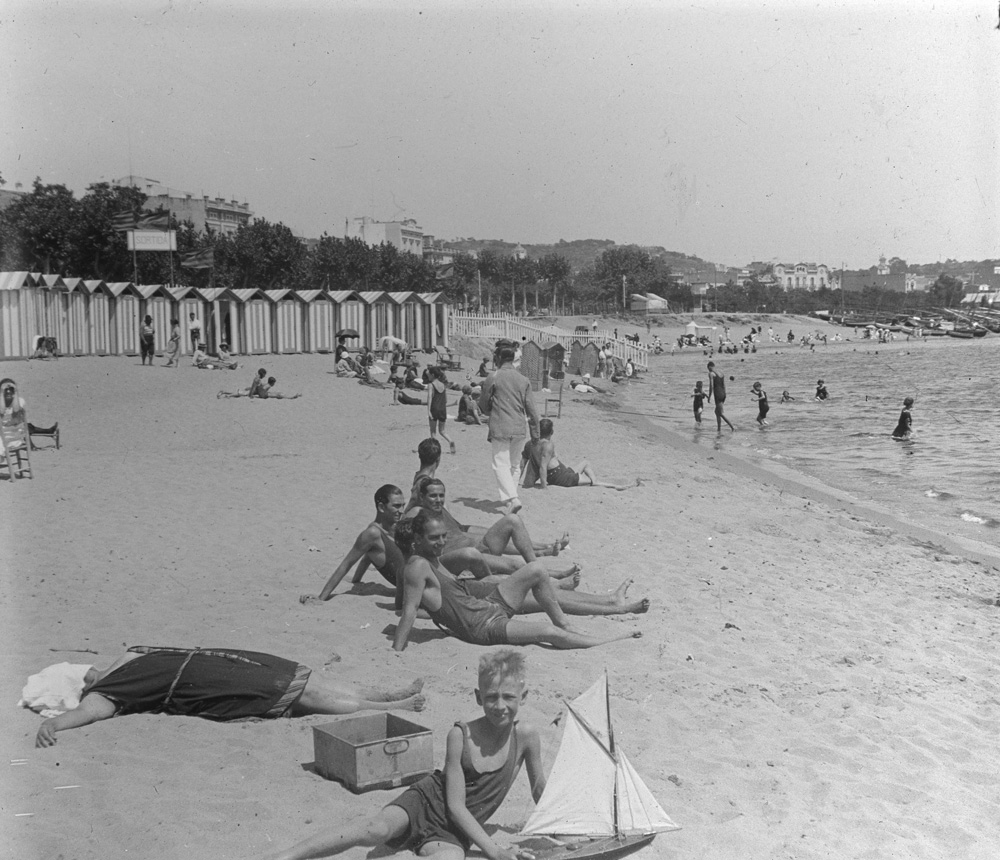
135,265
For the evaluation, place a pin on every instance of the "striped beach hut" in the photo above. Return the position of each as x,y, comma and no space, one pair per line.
350,314
378,316
406,308
321,319
52,309
18,327
125,305
159,304
288,315
99,298
222,325
77,300
255,321
187,301
435,320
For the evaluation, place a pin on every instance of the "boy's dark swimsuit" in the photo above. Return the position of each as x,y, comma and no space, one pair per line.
762,406
699,401
214,683
562,476
439,404
426,805
903,427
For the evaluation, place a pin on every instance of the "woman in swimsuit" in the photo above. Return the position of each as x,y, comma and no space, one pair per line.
437,404
905,425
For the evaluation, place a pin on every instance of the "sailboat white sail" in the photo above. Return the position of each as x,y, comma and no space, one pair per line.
593,790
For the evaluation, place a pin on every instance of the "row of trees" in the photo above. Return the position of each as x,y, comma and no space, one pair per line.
755,296
52,231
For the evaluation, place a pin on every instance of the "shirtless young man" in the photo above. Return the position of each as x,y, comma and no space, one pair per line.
552,472
493,542
486,616
376,546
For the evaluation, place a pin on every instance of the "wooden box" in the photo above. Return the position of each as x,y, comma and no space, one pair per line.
373,751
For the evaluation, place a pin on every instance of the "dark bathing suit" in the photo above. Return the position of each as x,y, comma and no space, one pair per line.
903,427
562,476
426,805
472,611
699,401
719,390
214,683
763,406
439,404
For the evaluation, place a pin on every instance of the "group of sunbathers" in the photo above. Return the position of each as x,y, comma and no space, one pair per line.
261,387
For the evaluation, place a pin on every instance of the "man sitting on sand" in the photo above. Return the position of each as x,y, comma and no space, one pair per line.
508,535
482,614
541,456
253,391
218,684
444,813
267,392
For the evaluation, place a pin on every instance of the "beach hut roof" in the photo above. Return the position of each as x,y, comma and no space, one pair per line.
177,293
372,296
149,290
212,294
119,287
92,286
247,293
428,298
343,295
312,295
51,282
16,280
278,295
72,284
399,298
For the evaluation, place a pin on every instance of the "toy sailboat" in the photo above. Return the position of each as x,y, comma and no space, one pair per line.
594,804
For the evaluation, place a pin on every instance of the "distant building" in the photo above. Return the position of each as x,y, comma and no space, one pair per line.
436,252
519,253
405,235
802,276
918,283
223,216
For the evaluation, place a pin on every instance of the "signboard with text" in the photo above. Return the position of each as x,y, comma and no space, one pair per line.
152,240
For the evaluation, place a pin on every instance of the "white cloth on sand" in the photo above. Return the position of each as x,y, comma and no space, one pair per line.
56,689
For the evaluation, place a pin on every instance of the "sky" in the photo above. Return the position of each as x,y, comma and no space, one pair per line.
829,132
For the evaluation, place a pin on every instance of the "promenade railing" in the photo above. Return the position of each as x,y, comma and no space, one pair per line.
491,327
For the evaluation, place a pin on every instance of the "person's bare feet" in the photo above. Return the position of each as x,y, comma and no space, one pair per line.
568,581
619,597
413,703
560,544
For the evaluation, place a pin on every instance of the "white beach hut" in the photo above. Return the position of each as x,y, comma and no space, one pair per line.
18,327
288,321
255,321
321,312
125,299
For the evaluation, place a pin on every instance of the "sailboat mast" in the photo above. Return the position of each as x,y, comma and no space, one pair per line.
611,749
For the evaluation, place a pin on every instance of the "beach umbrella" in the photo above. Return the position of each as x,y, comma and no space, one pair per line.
347,332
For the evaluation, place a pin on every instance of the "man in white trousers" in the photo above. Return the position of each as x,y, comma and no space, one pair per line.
506,400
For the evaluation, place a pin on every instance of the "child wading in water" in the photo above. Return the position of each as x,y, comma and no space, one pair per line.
760,395
699,401
443,814
905,426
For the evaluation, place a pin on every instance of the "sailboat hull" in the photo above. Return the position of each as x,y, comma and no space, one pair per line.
583,848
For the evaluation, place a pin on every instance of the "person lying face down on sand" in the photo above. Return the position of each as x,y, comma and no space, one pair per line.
483,613
508,535
253,391
541,455
217,684
267,392
376,546
444,813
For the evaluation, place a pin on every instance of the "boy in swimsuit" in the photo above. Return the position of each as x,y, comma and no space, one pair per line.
905,424
551,471
760,395
437,404
698,401
821,392
444,813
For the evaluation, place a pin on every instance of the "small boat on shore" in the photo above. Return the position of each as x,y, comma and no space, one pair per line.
964,333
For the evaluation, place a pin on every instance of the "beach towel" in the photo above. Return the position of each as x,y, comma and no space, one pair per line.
56,689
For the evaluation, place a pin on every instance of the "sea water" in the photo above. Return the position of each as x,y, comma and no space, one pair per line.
947,476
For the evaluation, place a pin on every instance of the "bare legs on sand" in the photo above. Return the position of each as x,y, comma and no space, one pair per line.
322,696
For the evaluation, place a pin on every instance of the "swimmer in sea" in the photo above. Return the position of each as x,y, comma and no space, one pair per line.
717,384
904,428
760,395
786,397
821,392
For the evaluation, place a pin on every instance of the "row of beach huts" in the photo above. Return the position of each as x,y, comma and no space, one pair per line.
88,317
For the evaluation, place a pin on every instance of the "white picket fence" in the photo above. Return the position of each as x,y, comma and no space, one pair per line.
491,327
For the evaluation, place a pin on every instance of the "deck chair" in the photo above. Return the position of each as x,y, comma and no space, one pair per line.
52,432
553,397
15,445
447,359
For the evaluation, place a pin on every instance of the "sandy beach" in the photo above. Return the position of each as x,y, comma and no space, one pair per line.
815,678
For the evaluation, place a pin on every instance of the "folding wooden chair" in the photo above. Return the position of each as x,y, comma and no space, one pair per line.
15,445
553,397
52,433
